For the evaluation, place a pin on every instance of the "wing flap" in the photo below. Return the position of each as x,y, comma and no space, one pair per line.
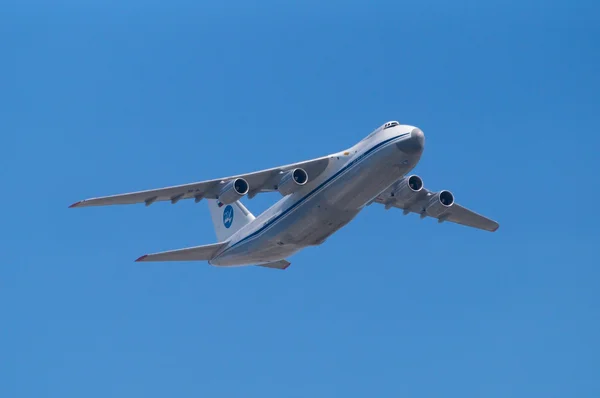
197,253
259,181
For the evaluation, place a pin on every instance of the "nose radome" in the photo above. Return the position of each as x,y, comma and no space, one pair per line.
414,144
418,136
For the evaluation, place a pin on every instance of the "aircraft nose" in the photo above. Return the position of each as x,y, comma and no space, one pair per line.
414,144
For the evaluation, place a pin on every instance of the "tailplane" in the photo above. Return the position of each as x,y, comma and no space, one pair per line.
281,264
228,219
197,253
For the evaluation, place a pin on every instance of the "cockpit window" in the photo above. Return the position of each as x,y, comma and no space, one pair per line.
380,128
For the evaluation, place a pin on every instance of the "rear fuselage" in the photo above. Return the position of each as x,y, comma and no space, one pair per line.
310,215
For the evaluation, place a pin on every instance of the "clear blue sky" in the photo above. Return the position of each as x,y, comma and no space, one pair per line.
98,98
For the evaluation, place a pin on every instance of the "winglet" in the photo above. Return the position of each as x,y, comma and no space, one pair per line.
141,258
75,204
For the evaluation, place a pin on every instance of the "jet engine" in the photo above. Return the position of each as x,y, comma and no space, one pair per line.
234,190
439,203
292,181
407,187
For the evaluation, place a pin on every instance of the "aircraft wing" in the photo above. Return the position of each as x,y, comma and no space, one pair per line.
257,182
427,204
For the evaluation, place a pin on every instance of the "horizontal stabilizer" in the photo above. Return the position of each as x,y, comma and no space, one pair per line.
197,253
281,264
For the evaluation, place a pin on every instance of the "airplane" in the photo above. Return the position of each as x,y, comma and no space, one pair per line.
319,197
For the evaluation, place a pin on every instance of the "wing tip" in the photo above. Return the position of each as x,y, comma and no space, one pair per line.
141,258
75,204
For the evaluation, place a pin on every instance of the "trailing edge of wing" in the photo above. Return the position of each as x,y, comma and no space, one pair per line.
197,253
259,181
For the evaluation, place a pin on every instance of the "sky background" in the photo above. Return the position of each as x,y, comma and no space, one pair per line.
105,97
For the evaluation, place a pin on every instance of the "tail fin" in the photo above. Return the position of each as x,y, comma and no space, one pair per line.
228,219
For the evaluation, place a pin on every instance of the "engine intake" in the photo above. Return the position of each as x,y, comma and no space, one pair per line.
291,181
440,203
234,190
407,187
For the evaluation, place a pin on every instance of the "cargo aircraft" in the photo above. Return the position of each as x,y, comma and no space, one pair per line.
320,196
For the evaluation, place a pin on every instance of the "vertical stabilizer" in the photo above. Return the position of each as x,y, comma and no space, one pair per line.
228,219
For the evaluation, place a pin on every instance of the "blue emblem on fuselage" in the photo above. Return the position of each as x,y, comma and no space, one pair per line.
228,216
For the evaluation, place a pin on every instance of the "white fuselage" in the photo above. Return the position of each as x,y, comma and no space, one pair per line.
318,209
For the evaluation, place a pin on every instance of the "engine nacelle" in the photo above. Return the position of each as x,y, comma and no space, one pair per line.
292,181
234,190
406,188
439,203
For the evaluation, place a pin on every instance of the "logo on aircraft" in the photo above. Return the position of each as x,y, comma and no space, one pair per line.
228,216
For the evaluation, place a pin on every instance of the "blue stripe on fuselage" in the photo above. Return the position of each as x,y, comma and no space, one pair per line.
314,191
